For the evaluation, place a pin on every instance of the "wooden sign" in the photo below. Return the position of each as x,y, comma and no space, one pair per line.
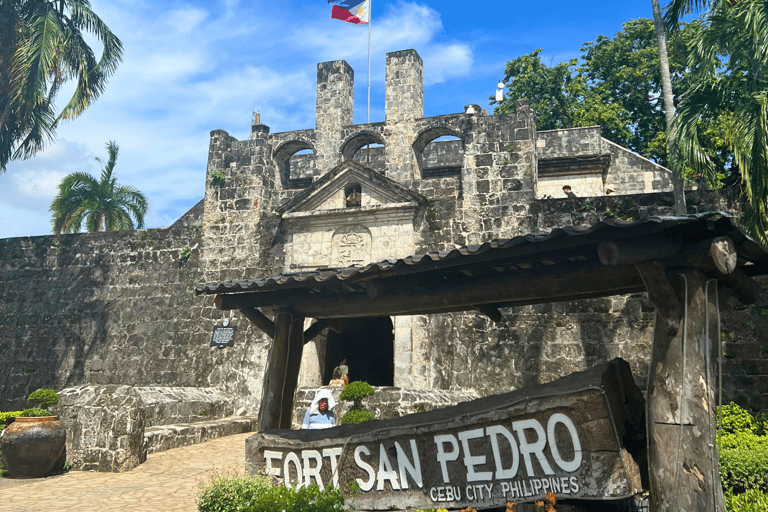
578,437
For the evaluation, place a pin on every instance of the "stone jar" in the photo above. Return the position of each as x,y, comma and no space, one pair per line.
31,447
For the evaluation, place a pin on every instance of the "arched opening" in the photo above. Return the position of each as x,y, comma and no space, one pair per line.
296,163
368,345
367,148
439,152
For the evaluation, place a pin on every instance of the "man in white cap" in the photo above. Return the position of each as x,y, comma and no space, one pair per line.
320,413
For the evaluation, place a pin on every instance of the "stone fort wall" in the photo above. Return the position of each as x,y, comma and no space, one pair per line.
119,308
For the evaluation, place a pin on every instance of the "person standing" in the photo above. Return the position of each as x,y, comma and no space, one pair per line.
567,192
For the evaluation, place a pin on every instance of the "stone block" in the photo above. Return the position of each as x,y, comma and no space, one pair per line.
105,427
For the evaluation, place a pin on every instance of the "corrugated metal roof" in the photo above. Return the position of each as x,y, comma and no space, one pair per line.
690,227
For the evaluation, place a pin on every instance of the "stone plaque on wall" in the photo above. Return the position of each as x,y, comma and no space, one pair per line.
567,438
351,246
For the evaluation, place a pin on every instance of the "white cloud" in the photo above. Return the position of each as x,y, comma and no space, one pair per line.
200,67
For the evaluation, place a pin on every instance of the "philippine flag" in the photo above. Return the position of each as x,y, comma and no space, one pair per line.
352,11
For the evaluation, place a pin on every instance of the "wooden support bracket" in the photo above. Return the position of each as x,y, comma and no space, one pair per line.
661,293
259,319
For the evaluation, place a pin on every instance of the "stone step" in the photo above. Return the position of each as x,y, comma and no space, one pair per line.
165,437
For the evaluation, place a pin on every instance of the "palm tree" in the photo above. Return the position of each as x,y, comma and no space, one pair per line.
738,85
669,107
104,205
41,47
678,8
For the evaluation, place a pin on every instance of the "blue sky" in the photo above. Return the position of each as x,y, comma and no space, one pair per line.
193,66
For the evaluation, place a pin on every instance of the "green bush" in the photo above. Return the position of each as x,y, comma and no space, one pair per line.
6,417
735,420
43,398
743,441
256,494
750,501
35,411
743,452
741,470
356,391
356,416
231,494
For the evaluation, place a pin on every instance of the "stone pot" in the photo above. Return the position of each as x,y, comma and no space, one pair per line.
32,446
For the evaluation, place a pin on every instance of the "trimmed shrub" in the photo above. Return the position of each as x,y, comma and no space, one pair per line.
35,411
256,494
356,416
750,501
356,392
43,398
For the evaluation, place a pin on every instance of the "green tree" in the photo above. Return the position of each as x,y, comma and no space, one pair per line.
618,86
733,88
679,8
42,46
104,205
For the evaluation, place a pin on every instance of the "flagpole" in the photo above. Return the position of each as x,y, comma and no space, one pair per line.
370,20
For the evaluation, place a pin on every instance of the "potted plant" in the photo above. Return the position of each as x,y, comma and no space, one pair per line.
33,445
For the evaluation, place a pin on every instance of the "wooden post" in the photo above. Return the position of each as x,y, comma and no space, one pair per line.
282,372
682,389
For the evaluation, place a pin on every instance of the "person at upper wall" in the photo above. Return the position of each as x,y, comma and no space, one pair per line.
337,379
320,413
567,191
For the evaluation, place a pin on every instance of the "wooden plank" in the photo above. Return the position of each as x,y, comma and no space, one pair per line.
683,460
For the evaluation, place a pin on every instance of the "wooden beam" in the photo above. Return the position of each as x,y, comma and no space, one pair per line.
293,365
661,293
439,292
313,330
258,319
629,252
274,374
282,372
683,462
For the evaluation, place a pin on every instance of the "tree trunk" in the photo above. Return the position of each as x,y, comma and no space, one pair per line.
669,107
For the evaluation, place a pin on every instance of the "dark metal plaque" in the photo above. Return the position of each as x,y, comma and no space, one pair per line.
223,336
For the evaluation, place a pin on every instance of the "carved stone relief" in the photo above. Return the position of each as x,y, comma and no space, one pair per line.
351,246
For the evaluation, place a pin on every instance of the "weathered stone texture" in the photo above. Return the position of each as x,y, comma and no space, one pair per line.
105,427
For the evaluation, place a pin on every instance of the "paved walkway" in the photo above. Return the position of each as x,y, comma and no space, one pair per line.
168,482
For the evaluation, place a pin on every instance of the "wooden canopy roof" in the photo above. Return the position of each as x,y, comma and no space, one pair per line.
566,264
